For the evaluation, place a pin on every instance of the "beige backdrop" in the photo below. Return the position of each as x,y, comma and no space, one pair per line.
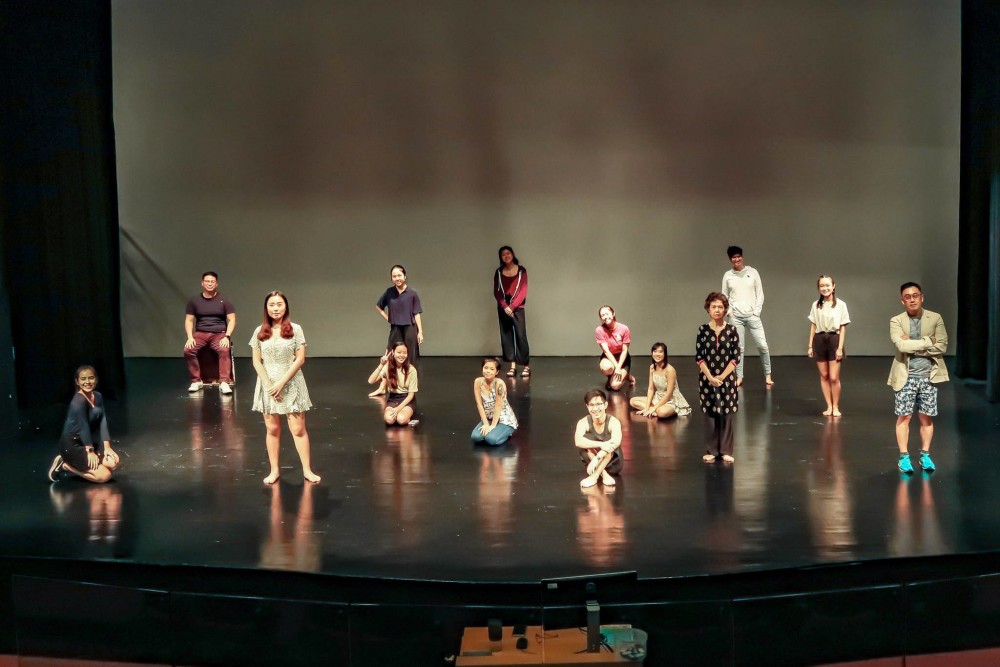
619,146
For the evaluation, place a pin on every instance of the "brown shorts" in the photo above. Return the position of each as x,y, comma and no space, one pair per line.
825,346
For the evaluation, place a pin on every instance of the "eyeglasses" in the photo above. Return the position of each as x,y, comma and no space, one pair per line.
911,297
596,406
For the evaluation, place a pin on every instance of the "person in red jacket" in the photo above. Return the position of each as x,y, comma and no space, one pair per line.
510,289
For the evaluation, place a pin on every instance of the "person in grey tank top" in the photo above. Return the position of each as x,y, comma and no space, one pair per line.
598,437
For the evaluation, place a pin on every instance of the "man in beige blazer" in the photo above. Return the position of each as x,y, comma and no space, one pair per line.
921,341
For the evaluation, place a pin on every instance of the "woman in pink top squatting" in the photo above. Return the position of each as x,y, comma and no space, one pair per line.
614,339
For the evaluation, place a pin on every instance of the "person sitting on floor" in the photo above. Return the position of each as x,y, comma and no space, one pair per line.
496,418
598,437
85,442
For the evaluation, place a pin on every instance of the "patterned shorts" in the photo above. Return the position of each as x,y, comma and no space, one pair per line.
919,394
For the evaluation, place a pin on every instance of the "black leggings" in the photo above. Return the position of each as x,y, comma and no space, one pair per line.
513,336
407,335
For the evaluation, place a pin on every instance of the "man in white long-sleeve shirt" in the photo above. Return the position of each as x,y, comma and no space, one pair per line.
743,288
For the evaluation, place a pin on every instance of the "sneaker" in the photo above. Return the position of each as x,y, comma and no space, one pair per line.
195,386
224,388
55,468
925,461
904,464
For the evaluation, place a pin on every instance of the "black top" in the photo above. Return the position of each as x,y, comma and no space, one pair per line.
84,422
209,314
401,306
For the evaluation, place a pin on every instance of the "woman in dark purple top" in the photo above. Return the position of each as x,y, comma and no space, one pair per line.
510,289
85,441
400,307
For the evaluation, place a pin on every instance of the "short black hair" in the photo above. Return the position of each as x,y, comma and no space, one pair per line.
592,394
210,273
733,250
906,286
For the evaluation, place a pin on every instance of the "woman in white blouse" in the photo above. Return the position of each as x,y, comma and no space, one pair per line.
827,334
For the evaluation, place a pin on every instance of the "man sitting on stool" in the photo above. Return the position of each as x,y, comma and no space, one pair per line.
210,320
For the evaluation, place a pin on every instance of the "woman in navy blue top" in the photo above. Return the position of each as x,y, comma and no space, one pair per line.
85,441
400,306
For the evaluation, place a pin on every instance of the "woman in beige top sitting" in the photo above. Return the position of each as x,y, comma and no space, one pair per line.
663,397
401,382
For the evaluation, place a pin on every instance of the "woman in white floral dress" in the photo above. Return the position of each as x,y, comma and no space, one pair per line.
279,351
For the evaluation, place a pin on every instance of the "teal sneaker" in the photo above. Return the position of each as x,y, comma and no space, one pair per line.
904,464
925,461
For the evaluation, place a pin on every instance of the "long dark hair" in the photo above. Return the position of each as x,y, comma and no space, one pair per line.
666,357
833,301
500,252
286,320
391,374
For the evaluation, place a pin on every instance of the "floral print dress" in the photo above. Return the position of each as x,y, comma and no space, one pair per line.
278,354
717,352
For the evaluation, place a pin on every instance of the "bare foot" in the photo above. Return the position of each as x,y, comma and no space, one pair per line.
727,458
769,381
708,458
310,476
607,479
828,411
837,413
377,392
272,478
588,482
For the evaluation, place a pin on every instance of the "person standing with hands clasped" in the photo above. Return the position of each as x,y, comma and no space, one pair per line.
717,354
279,351
510,289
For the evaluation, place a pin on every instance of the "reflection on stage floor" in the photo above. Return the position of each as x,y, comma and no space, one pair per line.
424,503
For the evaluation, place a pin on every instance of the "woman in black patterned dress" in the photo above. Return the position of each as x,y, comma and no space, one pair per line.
717,353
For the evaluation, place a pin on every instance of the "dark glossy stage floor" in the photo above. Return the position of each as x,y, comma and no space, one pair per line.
424,503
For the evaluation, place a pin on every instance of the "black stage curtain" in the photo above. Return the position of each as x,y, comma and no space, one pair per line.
979,215
59,205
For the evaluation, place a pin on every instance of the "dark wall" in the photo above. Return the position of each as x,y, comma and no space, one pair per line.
59,205
978,293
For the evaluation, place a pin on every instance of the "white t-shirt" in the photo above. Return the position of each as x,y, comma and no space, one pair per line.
829,318
744,291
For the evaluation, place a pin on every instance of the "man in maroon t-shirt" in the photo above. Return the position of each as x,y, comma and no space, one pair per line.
210,320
